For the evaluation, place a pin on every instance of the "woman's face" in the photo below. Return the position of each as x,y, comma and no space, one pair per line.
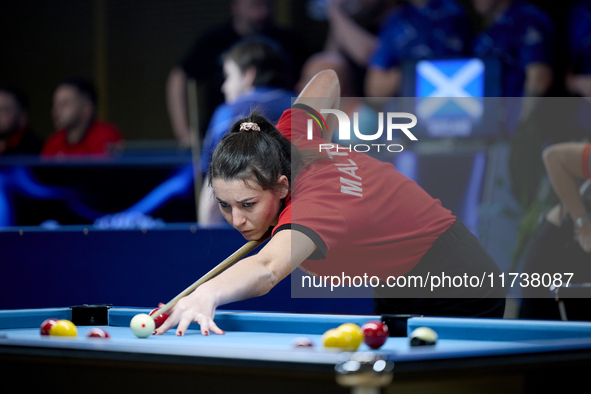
247,207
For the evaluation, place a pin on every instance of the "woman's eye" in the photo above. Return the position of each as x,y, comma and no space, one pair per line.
224,204
248,204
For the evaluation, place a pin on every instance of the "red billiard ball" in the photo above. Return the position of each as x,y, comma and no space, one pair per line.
302,342
46,326
375,334
160,319
97,333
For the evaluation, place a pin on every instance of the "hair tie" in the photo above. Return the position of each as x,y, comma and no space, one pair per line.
249,126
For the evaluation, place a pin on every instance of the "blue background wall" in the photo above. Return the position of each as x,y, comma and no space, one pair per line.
50,268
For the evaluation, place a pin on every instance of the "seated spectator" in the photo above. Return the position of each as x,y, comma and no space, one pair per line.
255,78
562,242
419,29
578,81
202,62
565,163
74,117
519,36
15,136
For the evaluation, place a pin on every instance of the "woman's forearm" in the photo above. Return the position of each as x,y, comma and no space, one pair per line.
256,275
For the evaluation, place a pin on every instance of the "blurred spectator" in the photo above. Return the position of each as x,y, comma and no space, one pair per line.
74,118
578,80
565,163
255,78
203,61
520,37
355,34
416,30
15,135
562,242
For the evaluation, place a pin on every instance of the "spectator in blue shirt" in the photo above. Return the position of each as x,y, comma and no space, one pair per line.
419,29
519,37
255,77
578,80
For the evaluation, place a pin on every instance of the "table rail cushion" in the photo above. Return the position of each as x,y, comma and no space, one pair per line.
500,329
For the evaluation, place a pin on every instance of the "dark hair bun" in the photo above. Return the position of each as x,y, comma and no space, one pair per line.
254,155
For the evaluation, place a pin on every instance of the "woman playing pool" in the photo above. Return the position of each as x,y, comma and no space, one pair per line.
339,212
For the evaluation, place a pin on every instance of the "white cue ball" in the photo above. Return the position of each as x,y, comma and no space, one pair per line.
423,336
142,325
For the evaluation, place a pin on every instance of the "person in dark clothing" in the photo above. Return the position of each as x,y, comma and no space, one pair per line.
203,62
16,138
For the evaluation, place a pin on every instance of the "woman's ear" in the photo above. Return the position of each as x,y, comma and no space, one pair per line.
284,186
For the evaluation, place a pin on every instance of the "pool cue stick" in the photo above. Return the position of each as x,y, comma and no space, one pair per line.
221,267
192,104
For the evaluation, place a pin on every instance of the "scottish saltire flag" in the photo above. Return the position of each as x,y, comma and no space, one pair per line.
452,88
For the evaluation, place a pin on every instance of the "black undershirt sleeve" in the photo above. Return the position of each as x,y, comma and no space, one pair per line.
319,254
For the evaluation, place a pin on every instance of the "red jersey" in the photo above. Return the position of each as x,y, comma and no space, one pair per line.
364,216
97,139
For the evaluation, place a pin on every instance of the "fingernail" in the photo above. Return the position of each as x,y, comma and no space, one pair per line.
223,332
206,333
154,333
179,333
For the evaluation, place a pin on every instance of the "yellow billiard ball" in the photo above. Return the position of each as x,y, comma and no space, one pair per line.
63,328
337,339
356,334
